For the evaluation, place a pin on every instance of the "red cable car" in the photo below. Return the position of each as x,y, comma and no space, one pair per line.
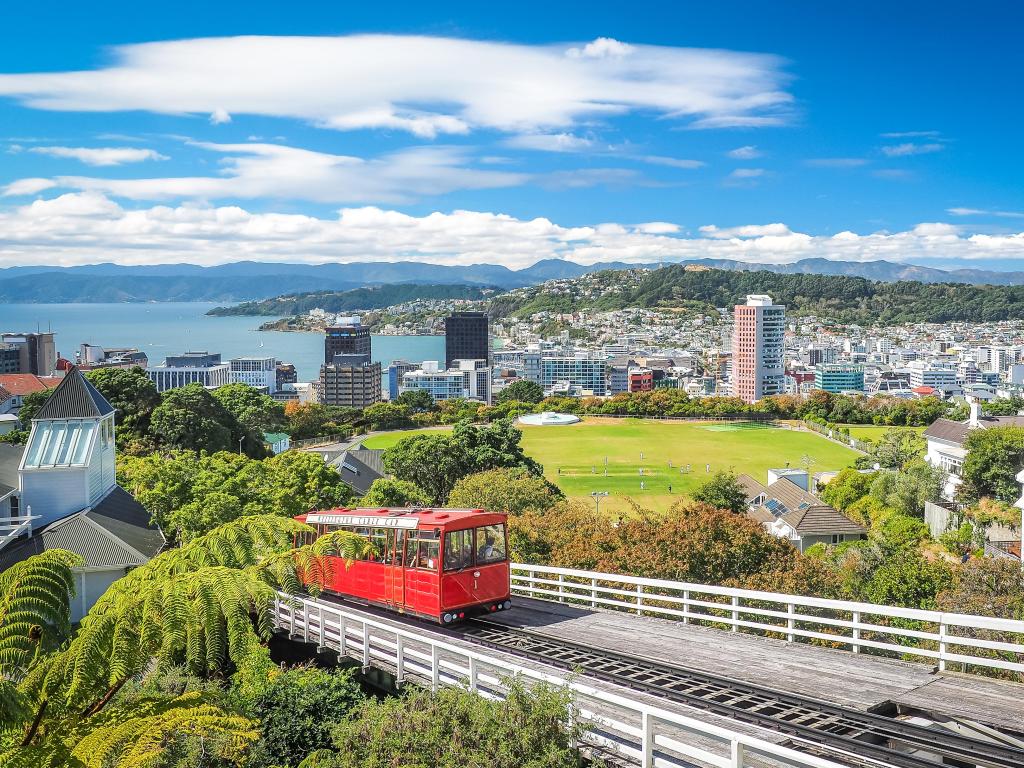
440,564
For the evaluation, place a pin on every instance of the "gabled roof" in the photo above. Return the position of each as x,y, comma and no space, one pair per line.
27,383
359,467
956,431
74,398
802,511
114,533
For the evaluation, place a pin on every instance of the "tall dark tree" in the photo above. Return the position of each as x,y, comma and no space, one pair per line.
523,391
131,392
190,417
254,410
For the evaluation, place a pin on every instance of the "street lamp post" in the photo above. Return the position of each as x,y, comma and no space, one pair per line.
240,443
598,495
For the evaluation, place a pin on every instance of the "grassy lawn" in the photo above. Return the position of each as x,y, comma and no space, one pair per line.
871,432
574,456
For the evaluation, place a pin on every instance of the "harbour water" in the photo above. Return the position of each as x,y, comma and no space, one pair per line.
174,327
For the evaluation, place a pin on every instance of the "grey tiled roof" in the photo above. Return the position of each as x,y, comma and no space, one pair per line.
957,431
124,517
359,467
803,511
74,398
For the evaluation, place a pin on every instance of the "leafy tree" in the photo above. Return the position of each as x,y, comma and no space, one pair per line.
416,400
297,711
298,482
961,541
994,457
908,579
190,417
308,420
132,394
384,415
30,404
894,449
722,490
908,490
510,490
435,462
532,728
523,391
389,492
846,488
255,411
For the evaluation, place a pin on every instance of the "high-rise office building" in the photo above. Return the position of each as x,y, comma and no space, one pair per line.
348,337
466,337
350,380
36,352
758,340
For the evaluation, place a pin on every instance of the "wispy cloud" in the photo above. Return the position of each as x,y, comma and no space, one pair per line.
748,152
910,148
423,85
550,142
911,134
273,171
836,162
985,212
671,162
101,156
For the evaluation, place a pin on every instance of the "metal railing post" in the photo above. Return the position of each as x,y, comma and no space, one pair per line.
646,740
738,755
942,645
435,668
366,646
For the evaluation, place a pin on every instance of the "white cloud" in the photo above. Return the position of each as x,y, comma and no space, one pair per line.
273,171
748,152
983,212
747,230
581,178
101,156
671,162
550,142
836,162
911,135
425,85
220,116
910,148
87,227
746,173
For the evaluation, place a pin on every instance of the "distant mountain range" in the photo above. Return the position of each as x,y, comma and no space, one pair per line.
250,280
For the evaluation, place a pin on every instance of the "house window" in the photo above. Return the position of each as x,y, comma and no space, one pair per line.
836,538
15,506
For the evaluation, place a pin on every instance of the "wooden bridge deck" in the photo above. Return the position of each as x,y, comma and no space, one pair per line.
860,681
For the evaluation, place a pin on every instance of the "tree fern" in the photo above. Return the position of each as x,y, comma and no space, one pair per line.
34,617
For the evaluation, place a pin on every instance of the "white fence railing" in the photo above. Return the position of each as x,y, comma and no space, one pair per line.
647,735
975,642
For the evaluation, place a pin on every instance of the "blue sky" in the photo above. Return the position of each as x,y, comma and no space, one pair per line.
478,132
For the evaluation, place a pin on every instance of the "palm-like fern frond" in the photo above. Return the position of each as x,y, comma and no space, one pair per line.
138,740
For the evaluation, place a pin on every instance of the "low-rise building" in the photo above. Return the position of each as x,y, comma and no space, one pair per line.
467,379
788,511
203,368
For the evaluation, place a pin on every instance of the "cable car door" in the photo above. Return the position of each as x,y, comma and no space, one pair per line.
394,569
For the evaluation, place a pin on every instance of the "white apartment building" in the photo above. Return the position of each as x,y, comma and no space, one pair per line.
467,379
190,368
259,372
935,375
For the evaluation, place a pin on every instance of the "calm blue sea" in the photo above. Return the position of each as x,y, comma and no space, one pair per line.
171,328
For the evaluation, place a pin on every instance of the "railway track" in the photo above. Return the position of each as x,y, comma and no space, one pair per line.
839,733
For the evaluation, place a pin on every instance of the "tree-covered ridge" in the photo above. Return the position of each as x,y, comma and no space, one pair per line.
376,297
841,298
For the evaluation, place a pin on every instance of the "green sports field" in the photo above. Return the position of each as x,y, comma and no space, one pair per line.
871,432
575,456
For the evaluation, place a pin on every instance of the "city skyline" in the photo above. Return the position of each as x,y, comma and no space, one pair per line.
457,137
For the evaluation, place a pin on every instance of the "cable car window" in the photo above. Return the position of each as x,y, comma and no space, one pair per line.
458,550
379,539
427,555
490,544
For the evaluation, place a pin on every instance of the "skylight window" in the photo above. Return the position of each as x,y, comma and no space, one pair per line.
60,444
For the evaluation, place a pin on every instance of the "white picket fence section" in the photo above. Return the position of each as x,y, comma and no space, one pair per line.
944,638
647,735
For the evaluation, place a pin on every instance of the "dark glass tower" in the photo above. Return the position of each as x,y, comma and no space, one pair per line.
346,340
466,337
